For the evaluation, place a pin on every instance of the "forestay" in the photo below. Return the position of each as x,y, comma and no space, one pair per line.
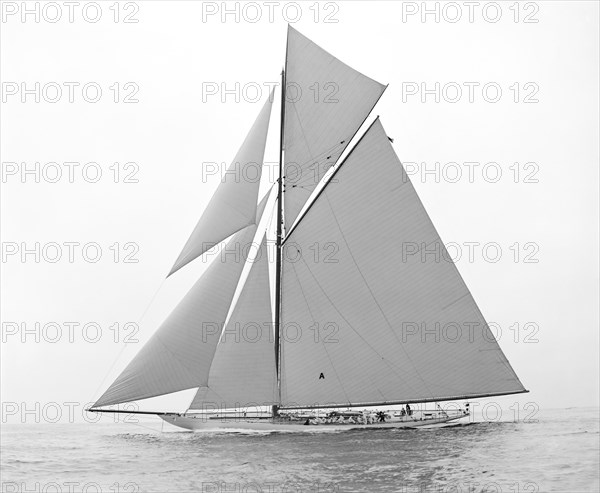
326,103
373,309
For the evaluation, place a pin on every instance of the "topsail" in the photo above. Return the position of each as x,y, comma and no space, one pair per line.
326,103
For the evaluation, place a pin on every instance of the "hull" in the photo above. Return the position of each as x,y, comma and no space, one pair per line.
203,422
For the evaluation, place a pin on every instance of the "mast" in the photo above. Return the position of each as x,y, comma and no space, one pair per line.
279,243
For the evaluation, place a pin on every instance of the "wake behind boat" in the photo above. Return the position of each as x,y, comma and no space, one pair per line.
368,310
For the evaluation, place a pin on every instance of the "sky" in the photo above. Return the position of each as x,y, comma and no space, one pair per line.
494,114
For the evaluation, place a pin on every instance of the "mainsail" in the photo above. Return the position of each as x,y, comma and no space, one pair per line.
233,206
326,103
373,309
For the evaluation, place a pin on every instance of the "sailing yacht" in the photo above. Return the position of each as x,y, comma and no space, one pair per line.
364,297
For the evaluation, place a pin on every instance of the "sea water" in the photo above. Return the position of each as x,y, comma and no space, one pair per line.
556,451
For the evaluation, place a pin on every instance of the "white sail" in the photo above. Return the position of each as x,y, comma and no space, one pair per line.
233,206
326,103
179,355
243,370
370,312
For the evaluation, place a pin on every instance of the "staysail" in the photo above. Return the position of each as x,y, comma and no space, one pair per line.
233,206
243,370
373,308
180,353
326,103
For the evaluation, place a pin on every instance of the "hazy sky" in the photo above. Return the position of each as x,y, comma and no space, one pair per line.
540,214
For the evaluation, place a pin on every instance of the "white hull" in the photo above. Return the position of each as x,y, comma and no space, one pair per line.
200,422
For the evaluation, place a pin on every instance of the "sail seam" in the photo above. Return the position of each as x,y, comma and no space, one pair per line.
302,130
322,342
457,271
385,360
373,295
358,360
457,299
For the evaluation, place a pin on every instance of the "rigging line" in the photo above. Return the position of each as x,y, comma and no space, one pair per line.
373,295
124,344
318,159
397,371
270,220
315,175
319,169
302,187
322,342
